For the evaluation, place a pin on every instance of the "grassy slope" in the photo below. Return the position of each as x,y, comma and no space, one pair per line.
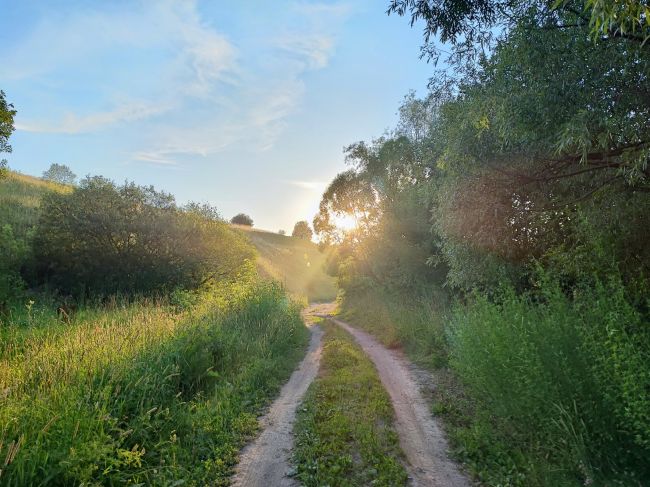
20,196
344,433
296,263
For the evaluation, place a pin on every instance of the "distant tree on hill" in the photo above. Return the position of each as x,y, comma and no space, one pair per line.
7,114
242,219
60,173
282,232
302,230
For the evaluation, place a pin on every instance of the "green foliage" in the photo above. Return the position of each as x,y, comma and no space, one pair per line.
526,162
12,254
7,114
101,238
142,394
242,219
302,230
562,378
204,210
59,173
343,432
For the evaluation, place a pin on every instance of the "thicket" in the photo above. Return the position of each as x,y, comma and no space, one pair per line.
502,233
102,238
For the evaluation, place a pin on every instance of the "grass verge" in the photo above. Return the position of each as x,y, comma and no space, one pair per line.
344,433
144,394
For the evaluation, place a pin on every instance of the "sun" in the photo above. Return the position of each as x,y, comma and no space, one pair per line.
345,222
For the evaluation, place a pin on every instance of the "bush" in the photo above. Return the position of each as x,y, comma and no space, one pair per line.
562,381
242,219
101,238
12,254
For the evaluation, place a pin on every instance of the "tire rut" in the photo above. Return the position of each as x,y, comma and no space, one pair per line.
421,438
265,461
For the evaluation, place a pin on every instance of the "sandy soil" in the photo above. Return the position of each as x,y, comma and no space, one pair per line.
265,462
421,438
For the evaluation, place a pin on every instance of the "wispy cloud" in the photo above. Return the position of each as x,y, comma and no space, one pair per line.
75,124
308,185
162,67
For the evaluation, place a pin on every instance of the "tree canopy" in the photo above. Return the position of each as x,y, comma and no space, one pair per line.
7,114
60,173
302,230
242,219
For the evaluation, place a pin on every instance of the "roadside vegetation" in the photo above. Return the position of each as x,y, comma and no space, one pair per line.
344,433
138,342
502,237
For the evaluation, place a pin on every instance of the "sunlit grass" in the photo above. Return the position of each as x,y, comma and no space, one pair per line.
143,392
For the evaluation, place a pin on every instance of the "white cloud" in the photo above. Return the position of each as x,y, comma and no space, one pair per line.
75,124
314,50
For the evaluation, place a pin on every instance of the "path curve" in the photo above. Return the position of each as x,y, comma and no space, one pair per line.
265,461
421,438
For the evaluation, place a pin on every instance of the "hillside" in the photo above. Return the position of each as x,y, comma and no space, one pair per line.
20,197
297,263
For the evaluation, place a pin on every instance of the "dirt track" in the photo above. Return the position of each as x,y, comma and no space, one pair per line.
265,462
421,439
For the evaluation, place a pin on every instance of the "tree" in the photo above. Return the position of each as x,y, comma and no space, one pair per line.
301,230
242,219
472,26
281,232
7,114
60,173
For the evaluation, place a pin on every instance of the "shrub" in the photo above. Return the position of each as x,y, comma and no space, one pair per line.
242,219
101,238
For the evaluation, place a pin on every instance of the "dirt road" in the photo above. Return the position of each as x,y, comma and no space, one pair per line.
421,439
265,462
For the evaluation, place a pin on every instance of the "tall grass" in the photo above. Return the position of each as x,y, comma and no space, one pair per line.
541,389
567,380
144,393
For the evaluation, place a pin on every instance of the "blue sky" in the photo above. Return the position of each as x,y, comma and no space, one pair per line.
243,104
